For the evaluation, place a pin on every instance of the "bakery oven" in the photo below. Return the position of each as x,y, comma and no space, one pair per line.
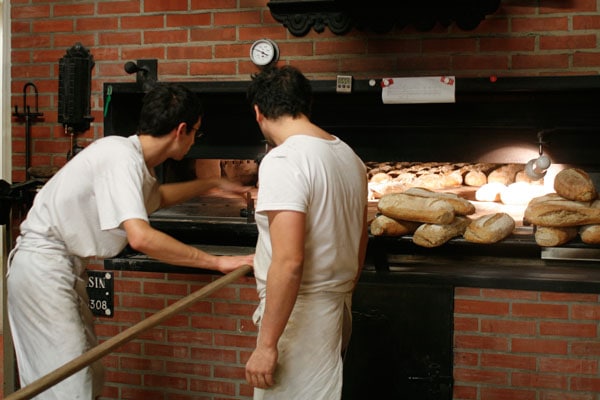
402,340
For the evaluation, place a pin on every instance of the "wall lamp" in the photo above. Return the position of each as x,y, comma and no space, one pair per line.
536,168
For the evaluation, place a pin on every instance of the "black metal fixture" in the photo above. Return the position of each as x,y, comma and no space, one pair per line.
146,72
74,92
380,16
30,117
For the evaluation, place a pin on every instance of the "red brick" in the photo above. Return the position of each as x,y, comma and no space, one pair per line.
550,381
480,307
96,24
480,342
585,384
523,345
118,38
163,6
214,354
212,386
69,10
119,7
465,324
132,393
142,22
20,12
188,20
465,359
237,18
204,35
586,311
170,36
585,348
161,350
568,329
213,68
569,297
563,395
212,322
507,44
490,393
567,42
568,366
188,368
161,381
480,376
549,24
586,22
540,310
499,326
509,361
141,364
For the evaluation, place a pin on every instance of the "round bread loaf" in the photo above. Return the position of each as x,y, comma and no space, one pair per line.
575,184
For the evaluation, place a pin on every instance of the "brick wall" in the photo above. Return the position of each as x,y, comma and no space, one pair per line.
197,354
200,354
526,345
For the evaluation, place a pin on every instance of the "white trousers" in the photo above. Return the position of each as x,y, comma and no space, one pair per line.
310,362
51,322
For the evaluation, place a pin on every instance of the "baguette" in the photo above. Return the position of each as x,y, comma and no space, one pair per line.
407,207
575,184
490,228
590,234
433,235
386,226
548,236
461,206
561,213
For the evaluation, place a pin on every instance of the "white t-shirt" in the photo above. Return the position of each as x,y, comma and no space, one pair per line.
80,210
326,180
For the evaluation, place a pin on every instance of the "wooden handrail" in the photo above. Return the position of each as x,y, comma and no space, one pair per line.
106,347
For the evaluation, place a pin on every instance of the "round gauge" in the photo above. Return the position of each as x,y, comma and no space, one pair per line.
264,52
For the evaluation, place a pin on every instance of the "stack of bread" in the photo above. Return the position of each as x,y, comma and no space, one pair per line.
571,211
434,218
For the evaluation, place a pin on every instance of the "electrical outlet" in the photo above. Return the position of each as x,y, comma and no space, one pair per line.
344,84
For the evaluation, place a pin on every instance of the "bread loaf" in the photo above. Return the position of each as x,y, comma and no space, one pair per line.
408,207
490,191
476,175
575,184
386,226
461,206
490,228
590,234
560,212
548,236
433,235
505,174
520,193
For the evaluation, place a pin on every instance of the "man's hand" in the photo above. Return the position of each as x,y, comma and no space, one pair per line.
227,264
261,367
233,187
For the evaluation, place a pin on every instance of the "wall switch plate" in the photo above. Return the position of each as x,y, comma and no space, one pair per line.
344,84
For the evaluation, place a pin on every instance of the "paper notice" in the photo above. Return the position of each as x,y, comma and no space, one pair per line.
431,89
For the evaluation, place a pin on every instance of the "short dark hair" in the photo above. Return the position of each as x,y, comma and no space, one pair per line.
166,106
280,91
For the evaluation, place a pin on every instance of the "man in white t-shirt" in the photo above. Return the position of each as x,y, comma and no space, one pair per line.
96,204
311,218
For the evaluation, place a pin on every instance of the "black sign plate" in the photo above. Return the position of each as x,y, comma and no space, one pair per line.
100,289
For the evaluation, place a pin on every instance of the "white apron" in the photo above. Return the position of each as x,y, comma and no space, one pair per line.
50,321
310,362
